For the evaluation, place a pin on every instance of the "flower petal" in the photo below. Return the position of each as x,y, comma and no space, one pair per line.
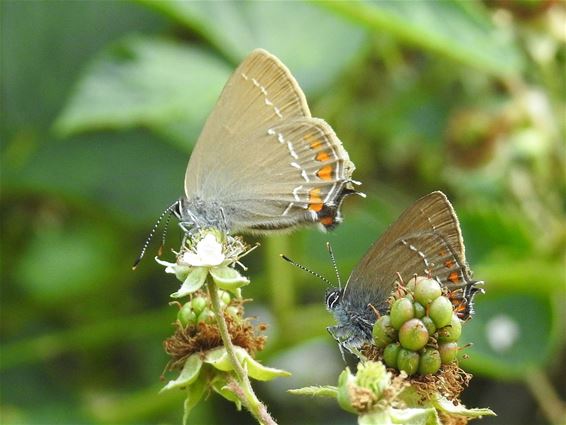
188,375
228,278
194,281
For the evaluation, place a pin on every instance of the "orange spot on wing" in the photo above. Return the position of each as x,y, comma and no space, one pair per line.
453,277
449,263
315,201
322,156
325,173
327,221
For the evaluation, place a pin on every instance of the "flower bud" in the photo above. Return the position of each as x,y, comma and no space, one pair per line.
401,311
440,311
383,332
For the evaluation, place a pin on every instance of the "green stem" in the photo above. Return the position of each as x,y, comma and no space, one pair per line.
553,408
247,395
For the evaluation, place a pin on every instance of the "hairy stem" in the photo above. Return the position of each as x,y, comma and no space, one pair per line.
246,393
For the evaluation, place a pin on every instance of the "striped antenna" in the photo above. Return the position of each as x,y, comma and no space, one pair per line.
169,210
321,277
329,247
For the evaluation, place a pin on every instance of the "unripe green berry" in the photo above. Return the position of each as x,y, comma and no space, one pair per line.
408,361
390,354
429,325
186,314
440,311
410,297
206,316
383,332
452,332
224,297
410,286
401,311
448,352
413,335
198,304
430,361
419,310
427,290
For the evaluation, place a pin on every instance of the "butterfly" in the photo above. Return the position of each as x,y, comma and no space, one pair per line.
262,163
426,240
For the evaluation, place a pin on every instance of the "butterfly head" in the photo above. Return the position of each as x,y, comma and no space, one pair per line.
332,298
197,213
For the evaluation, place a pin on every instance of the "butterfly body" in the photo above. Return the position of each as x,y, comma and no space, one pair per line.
425,240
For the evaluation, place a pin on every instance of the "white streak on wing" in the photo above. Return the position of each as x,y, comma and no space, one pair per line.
280,138
277,112
292,151
245,76
297,166
296,192
304,174
271,131
291,204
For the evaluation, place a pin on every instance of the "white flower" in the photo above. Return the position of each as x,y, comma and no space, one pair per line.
208,253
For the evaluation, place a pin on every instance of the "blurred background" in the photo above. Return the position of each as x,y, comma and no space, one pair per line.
101,105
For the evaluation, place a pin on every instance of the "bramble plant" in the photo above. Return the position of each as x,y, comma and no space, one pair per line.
410,373
214,344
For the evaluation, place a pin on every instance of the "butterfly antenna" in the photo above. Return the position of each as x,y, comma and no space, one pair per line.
150,236
321,277
164,235
331,252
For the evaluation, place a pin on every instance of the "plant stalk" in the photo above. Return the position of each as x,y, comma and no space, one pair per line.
247,395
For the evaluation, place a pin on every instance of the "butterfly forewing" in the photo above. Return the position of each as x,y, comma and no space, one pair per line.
426,239
263,159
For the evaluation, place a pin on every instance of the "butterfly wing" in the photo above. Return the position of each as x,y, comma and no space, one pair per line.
263,159
425,240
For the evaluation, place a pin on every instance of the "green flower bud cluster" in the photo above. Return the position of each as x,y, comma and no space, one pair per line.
421,331
199,309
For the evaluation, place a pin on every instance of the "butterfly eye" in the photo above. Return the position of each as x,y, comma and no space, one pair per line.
333,298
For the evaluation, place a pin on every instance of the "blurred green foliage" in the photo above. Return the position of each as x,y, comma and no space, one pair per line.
102,102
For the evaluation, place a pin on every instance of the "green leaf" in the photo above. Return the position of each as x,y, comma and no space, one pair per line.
145,81
316,391
228,278
458,30
314,44
194,281
505,345
188,375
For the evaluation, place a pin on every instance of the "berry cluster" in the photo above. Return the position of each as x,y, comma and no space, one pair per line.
198,309
421,331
